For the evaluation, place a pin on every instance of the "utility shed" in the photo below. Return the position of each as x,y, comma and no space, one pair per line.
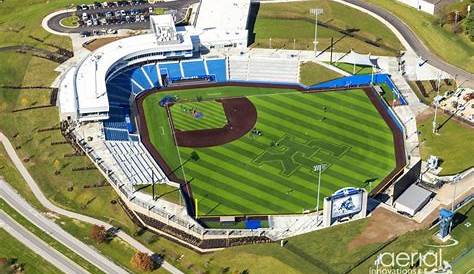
413,199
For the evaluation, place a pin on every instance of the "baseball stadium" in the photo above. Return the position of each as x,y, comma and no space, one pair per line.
213,147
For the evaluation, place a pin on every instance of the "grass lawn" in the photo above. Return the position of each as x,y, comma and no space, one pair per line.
429,90
290,25
452,145
388,94
70,22
47,238
198,115
357,69
453,48
465,264
273,173
115,249
425,240
31,262
319,252
312,73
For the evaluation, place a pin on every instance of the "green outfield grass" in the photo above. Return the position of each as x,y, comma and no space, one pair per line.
273,173
184,119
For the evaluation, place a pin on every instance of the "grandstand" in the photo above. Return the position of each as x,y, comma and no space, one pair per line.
136,162
270,69
123,86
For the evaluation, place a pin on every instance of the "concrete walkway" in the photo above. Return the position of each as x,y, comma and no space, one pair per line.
38,246
50,206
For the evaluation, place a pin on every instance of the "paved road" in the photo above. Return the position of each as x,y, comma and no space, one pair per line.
180,6
38,246
416,44
50,206
19,204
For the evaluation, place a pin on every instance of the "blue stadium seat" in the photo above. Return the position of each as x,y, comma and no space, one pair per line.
194,69
218,68
116,134
173,70
139,77
115,124
136,89
152,73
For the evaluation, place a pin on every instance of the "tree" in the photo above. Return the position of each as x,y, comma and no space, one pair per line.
99,233
142,261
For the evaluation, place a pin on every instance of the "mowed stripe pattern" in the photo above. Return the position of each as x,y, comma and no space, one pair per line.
226,181
213,115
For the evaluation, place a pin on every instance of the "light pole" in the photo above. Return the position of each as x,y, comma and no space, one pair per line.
316,12
319,168
436,105
455,181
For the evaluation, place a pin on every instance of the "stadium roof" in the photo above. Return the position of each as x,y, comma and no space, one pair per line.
414,197
67,99
90,79
224,14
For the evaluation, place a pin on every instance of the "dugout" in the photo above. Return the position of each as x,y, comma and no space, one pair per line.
413,199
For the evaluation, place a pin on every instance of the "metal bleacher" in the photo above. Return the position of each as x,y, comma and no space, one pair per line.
115,134
268,69
136,162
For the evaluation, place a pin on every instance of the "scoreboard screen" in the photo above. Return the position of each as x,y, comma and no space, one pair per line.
345,203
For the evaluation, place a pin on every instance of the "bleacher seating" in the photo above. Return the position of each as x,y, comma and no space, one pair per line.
218,68
138,76
113,134
133,81
152,74
267,69
117,124
173,70
193,68
135,161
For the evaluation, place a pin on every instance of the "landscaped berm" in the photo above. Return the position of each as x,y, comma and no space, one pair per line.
251,150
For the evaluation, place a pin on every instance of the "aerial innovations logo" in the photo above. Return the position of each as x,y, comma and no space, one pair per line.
408,262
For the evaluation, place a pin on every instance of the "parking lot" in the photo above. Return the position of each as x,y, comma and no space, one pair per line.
107,17
114,13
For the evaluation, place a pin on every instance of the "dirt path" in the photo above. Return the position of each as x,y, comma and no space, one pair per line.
383,225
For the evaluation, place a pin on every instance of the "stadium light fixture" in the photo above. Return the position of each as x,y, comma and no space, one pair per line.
316,12
319,168
435,129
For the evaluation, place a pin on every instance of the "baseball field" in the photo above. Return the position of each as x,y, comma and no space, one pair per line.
270,168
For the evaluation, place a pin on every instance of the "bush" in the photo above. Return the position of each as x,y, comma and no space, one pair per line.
142,261
98,234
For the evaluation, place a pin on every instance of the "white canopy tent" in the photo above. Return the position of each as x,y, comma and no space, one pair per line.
359,59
